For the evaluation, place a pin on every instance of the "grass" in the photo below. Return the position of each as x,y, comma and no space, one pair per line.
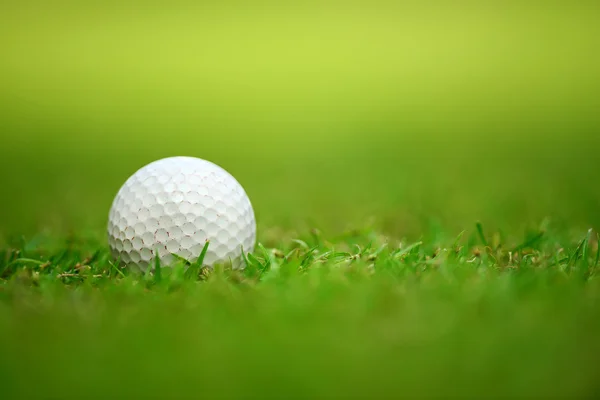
359,315
424,179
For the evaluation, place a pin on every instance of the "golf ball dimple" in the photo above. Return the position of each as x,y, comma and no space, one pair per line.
174,206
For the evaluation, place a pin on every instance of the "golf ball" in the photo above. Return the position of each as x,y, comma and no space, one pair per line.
174,206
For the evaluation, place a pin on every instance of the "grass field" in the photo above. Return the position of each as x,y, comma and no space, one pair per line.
425,181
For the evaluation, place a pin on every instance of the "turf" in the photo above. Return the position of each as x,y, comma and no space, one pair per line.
424,179
359,316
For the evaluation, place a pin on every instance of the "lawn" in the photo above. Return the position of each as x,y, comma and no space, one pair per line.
424,180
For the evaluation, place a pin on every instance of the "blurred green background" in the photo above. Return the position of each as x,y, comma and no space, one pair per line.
413,119
400,117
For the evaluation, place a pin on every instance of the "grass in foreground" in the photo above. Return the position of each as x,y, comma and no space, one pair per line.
356,315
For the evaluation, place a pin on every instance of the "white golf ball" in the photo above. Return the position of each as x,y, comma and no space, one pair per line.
174,206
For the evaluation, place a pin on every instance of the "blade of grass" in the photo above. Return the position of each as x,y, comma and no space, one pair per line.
301,243
255,262
380,249
183,260
458,239
245,258
157,268
530,242
196,266
22,261
268,259
252,265
323,256
402,252
586,248
308,257
481,234
94,257
597,250
575,255
200,261
289,255
266,255
115,267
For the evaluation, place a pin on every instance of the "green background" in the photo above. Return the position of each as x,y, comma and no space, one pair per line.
330,116
372,122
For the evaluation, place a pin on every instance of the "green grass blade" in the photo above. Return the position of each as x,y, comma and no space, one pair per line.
157,268
252,265
576,253
586,248
481,234
260,266
402,252
245,258
308,257
200,261
194,269
458,239
21,261
268,259
266,255
182,260
597,250
115,267
529,242
301,243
